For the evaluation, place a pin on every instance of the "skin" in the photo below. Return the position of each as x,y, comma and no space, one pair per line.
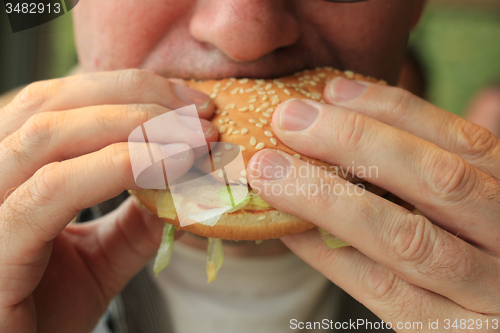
50,171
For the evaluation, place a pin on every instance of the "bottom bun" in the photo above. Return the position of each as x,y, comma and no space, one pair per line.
244,224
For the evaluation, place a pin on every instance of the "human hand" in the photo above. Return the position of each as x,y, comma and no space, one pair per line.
63,148
402,266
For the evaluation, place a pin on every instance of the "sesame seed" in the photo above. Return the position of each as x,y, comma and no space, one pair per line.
253,100
243,180
253,96
258,109
281,85
224,113
236,132
259,125
241,91
260,81
349,74
317,79
253,121
228,147
243,109
229,83
232,122
268,133
217,85
262,120
322,75
261,92
224,88
271,92
243,173
270,110
274,141
234,91
312,83
243,148
264,98
253,141
221,121
229,131
260,146
232,79
216,90
251,107
265,105
275,101
287,92
222,129
307,77
296,155
249,90
243,81
227,120
268,86
217,159
212,96
230,106
265,114
218,153
217,111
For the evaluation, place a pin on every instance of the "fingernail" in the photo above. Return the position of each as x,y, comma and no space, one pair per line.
206,127
296,115
191,96
272,166
176,151
343,89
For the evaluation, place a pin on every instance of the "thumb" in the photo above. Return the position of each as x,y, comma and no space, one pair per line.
120,244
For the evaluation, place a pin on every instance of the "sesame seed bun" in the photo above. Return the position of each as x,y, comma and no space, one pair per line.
243,117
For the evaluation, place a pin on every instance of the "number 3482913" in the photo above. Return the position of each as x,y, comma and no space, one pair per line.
33,8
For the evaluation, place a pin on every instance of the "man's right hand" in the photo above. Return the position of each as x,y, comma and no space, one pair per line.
63,148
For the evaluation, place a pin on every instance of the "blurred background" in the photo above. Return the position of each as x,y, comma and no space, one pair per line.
456,46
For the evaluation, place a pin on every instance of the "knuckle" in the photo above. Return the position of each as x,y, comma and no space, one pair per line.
117,158
134,79
412,239
141,113
351,131
474,142
321,193
34,95
36,131
47,182
448,177
399,103
419,244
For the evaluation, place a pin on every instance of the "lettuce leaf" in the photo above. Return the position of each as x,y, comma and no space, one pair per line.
165,250
215,258
330,240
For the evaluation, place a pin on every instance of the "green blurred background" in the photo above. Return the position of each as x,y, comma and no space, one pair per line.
457,43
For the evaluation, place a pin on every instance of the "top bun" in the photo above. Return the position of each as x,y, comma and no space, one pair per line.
244,109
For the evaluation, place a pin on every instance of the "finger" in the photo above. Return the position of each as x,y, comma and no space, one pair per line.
120,87
399,108
438,183
122,243
41,207
409,245
55,136
391,298
485,110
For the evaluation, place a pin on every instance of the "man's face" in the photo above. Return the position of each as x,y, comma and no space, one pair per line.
244,38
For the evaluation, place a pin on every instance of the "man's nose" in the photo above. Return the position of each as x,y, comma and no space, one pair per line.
244,30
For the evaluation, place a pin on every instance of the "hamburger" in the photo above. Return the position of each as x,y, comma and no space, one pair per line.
244,108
